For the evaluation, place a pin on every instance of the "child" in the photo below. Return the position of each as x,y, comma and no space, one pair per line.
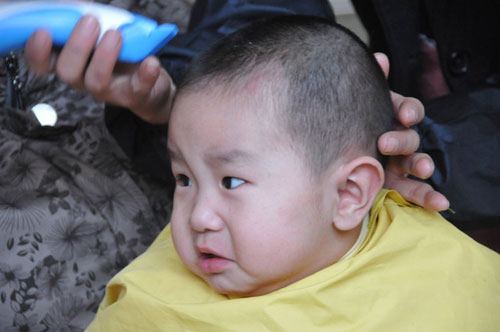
279,221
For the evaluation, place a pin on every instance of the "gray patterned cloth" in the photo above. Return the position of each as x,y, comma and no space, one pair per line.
163,11
73,211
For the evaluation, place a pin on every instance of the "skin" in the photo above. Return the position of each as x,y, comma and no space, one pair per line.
147,90
248,217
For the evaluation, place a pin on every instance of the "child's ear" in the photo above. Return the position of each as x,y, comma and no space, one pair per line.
358,183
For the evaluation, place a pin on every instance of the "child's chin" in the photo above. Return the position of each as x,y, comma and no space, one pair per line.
240,292
225,285
230,290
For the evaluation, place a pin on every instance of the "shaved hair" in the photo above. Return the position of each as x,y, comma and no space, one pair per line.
328,90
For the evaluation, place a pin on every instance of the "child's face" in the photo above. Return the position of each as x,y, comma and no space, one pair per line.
247,217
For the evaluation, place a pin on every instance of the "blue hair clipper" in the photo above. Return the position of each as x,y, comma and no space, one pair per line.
141,36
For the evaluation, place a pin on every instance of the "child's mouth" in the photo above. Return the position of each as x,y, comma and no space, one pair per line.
211,263
208,255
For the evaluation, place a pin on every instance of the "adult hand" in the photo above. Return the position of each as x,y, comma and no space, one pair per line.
401,145
146,88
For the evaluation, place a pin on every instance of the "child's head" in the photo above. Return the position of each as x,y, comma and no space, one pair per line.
273,145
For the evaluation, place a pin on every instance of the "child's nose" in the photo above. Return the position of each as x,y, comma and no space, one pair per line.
205,217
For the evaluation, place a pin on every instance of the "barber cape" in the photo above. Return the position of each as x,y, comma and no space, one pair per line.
414,272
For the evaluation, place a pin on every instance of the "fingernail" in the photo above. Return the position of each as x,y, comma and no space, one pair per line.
88,25
391,144
40,39
428,169
152,66
111,40
411,116
415,116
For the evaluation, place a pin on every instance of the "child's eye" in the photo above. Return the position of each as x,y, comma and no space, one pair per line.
183,181
230,182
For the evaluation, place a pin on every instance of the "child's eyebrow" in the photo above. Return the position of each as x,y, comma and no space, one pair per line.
228,157
217,157
173,155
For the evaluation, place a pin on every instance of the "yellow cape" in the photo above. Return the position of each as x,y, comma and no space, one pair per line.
414,272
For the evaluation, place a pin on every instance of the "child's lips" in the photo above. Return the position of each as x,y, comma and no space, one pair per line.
211,263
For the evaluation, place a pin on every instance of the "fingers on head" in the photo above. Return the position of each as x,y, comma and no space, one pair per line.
419,193
417,164
411,111
436,201
400,142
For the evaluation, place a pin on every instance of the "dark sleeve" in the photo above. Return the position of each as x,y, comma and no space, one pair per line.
464,147
393,27
144,143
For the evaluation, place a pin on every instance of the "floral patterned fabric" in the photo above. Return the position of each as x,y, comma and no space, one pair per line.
73,211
